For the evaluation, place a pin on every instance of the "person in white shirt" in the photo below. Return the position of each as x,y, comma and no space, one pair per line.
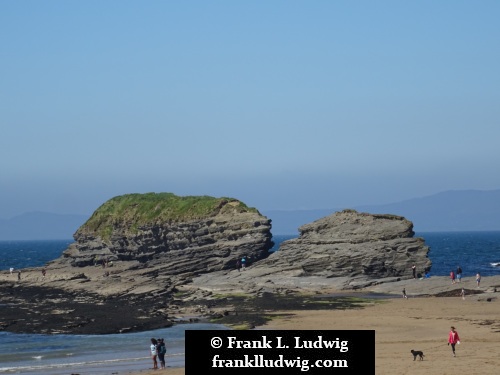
154,353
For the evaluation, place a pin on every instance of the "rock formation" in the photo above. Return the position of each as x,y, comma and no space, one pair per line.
346,250
153,256
354,244
185,235
122,272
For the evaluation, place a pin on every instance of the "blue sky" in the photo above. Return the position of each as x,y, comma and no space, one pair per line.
282,104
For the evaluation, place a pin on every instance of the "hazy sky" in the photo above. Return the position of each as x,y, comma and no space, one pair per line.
282,104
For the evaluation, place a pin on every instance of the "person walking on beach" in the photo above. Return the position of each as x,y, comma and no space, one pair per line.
414,271
452,277
11,270
238,265
404,293
243,263
459,274
478,279
162,350
18,275
453,339
154,353
462,293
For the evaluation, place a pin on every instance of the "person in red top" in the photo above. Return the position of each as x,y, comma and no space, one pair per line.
452,277
453,339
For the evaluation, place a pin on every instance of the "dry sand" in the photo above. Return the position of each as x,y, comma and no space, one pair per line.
420,323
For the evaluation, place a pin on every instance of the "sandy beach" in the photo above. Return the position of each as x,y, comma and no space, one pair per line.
420,323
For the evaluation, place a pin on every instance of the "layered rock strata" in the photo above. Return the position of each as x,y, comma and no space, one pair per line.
154,257
354,244
210,234
346,250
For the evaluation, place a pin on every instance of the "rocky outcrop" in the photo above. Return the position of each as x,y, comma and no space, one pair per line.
171,254
352,244
128,260
346,250
183,235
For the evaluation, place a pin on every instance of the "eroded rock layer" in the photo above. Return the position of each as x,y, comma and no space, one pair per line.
354,244
186,235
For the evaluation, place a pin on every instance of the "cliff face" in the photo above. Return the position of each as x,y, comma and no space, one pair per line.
184,235
354,244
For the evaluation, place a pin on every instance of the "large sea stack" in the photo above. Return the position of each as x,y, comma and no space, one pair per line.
353,244
185,235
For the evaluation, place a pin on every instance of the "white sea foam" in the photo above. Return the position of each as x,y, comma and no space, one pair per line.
100,363
64,365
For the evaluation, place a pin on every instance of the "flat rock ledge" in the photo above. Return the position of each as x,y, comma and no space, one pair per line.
54,306
38,309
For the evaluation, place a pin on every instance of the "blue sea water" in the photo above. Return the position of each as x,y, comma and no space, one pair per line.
473,251
90,354
97,354
24,254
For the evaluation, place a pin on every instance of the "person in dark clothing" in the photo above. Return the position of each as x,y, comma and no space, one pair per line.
162,350
459,274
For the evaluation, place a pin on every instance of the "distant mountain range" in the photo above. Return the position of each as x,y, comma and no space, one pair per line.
460,210
456,210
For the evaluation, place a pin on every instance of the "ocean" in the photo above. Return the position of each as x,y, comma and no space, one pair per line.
90,354
104,354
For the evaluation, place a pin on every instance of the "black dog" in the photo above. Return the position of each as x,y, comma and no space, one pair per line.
417,353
